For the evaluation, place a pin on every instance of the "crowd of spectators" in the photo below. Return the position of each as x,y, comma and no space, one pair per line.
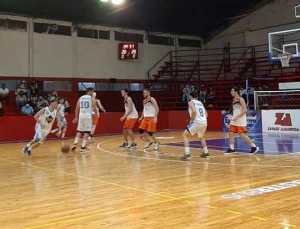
29,99
205,95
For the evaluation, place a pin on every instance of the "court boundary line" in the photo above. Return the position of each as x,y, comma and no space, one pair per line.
196,162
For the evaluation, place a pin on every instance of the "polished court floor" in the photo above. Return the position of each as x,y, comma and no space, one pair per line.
127,189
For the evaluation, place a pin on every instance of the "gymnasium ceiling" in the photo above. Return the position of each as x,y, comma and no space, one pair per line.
194,17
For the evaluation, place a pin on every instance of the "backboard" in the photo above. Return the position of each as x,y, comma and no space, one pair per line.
297,11
281,42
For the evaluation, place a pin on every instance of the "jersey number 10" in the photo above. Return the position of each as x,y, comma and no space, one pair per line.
85,104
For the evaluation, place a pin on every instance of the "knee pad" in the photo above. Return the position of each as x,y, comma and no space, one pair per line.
150,133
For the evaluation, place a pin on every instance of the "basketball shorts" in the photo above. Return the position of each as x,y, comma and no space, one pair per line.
129,123
148,125
198,128
95,119
84,125
40,134
237,129
63,122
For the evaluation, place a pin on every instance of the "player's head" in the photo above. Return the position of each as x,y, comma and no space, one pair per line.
94,95
124,92
193,95
235,91
146,93
61,100
53,102
3,86
89,91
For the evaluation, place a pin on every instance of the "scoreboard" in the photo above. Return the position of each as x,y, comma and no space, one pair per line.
128,51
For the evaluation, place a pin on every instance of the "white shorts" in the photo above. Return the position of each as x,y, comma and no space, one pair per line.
198,128
85,125
40,135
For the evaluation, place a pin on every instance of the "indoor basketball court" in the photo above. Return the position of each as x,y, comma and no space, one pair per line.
155,190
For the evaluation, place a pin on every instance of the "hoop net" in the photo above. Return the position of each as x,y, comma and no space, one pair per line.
285,59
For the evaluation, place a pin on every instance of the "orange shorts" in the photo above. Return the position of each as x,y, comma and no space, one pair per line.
237,129
148,125
129,123
95,119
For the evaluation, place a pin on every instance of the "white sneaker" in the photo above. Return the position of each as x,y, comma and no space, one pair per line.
156,146
148,145
91,140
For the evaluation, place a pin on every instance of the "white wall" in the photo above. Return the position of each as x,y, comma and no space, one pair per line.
49,55
254,28
14,54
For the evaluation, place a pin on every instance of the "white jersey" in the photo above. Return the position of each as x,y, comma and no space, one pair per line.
200,111
47,119
149,109
237,109
85,107
134,113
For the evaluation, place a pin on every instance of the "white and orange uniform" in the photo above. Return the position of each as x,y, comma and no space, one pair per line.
132,117
149,112
239,126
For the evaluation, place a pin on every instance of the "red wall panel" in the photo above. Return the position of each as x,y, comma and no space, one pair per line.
19,128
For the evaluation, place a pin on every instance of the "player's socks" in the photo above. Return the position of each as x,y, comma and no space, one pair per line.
187,150
76,140
231,146
253,145
205,149
83,143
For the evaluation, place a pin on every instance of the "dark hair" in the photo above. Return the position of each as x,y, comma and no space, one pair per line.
89,89
194,94
146,89
236,89
125,89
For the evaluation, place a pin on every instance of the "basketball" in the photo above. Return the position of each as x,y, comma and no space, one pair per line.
65,148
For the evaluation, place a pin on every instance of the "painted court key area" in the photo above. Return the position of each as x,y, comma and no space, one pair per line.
262,190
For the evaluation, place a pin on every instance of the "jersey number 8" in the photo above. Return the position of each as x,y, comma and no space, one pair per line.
201,112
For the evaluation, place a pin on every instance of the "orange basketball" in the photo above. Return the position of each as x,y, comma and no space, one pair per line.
65,148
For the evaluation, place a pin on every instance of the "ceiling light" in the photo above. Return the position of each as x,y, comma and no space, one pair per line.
117,2
104,0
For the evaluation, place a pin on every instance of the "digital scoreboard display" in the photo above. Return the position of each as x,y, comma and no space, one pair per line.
128,51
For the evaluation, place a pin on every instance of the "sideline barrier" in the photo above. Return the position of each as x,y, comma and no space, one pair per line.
20,128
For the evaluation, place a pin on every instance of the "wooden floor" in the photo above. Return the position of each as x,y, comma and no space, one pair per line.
127,189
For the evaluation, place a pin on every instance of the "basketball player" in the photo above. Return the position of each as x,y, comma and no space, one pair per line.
83,115
131,116
198,124
62,119
238,122
149,120
44,121
96,116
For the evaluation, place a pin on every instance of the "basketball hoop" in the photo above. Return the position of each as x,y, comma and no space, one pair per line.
285,59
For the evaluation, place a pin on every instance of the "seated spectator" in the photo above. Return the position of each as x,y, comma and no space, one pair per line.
66,105
186,93
34,90
202,94
1,109
211,98
55,95
243,93
41,103
4,92
20,100
21,87
27,110
251,95
33,103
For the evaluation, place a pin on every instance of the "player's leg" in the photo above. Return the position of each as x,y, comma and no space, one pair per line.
125,134
95,123
87,125
76,140
151,131
201,131
38,139
254,148
185,136
232,130
130,126
143,131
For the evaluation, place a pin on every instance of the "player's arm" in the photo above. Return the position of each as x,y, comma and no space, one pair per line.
244,109
153,101
100,105
38,114
94,106
76,112
206,114
193,111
